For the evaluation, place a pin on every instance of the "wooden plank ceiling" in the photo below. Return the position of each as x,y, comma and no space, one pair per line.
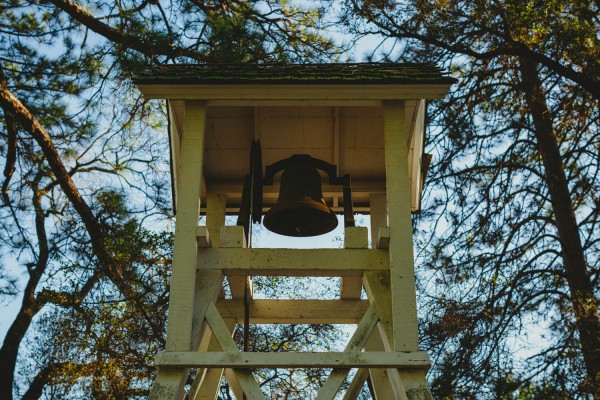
350,137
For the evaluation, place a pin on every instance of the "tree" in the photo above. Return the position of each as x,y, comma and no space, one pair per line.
515,192
79,145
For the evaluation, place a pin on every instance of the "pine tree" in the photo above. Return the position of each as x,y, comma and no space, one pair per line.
512,238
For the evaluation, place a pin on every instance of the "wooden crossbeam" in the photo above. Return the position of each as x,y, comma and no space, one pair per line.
235,359
296,311
293,262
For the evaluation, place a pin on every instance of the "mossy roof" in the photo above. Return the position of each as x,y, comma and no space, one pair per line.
347,73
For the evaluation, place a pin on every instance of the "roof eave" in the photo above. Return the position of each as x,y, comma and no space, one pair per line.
283,92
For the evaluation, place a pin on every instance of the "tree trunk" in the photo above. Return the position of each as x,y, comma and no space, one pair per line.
585,305
29,306
10,348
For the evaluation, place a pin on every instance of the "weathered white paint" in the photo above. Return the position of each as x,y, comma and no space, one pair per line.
354,346
386,383
169,383
234,384
293,262
399,221
175,109
215,217
296,311
208,286
377,286
356,384
206,386
415,153
236,359
402,278
203,239
378,214
223,335
383,238
233,237
181,298
354,238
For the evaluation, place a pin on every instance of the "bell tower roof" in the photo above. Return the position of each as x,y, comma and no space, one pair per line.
347,73
333,112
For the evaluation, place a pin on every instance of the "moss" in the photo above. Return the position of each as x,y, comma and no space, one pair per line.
349,73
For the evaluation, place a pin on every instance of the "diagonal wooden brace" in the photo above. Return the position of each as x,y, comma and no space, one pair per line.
223,335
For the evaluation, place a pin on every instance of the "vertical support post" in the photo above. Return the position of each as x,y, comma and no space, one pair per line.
207,382
404,305
169,383
230,237
354,238
402,275
378,214
215,217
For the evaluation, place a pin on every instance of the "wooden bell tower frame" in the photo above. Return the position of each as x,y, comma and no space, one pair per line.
385,346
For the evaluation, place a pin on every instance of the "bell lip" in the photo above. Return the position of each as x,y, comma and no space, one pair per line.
302,204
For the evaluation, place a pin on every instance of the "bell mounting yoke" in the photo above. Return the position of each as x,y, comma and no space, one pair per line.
252,194
329,169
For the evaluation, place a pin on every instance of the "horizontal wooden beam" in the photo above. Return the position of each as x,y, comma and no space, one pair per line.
296,311
293,262
295,103
293,93
271,193
382,359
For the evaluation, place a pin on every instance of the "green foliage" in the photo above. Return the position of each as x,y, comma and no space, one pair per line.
89,329
497,304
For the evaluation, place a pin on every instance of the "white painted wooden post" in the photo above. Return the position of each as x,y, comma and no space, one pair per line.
215,217
207,382
169,383
379,378
402,276
401,246
378,214
354,238
229,237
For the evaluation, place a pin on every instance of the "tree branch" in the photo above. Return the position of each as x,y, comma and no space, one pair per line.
11,154
127,40
95,231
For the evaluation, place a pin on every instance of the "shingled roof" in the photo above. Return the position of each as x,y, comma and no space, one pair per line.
348,73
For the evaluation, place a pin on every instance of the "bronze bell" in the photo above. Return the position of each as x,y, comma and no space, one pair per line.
300,209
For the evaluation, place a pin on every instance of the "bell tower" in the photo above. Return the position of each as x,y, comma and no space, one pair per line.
333,139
